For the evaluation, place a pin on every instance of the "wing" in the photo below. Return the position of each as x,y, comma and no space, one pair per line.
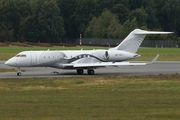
87,63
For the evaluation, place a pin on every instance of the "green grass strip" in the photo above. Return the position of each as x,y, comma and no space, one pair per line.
98,98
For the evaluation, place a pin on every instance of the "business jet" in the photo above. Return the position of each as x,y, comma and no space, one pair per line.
89,60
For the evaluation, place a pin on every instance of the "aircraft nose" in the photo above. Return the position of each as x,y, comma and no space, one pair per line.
10,62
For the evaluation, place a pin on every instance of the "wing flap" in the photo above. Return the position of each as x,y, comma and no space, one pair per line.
107,64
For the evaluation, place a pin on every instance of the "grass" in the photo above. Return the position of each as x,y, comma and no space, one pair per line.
98,98
8,52
166,54
7,70
16,49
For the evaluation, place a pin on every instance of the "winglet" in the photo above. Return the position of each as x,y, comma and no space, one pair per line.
154,60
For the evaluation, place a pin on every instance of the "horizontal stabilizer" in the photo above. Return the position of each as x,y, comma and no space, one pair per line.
151,32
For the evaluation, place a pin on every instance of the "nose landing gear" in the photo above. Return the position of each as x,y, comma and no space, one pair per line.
19,71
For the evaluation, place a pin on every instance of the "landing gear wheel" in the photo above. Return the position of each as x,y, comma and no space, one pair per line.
80,71
90,72
19,71
19,74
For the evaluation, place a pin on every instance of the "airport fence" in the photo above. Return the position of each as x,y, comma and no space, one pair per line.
114,42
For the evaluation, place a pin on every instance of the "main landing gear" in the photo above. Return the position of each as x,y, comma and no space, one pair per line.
89,71
80,71
19,71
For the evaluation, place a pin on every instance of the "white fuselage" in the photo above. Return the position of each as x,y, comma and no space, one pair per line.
85,59
58,58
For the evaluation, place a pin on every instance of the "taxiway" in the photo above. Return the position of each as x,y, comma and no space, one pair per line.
153,69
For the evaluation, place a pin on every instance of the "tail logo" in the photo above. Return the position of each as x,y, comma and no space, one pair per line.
106,55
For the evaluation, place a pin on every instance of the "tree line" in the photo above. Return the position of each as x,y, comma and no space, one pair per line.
57,20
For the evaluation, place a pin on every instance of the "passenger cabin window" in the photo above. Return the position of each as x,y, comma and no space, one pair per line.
23,56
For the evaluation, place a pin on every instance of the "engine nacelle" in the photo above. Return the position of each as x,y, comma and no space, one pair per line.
113,55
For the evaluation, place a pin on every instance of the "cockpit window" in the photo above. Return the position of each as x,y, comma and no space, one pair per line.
17,55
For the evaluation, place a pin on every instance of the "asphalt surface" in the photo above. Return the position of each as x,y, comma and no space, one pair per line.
153,69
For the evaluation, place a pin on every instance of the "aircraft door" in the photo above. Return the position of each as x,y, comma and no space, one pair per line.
33,59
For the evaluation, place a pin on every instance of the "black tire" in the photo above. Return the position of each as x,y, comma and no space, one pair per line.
19,74
91,72
80,71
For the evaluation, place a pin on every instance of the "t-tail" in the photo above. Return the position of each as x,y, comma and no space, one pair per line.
133,41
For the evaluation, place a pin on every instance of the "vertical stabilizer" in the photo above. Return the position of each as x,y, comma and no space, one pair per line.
133,41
